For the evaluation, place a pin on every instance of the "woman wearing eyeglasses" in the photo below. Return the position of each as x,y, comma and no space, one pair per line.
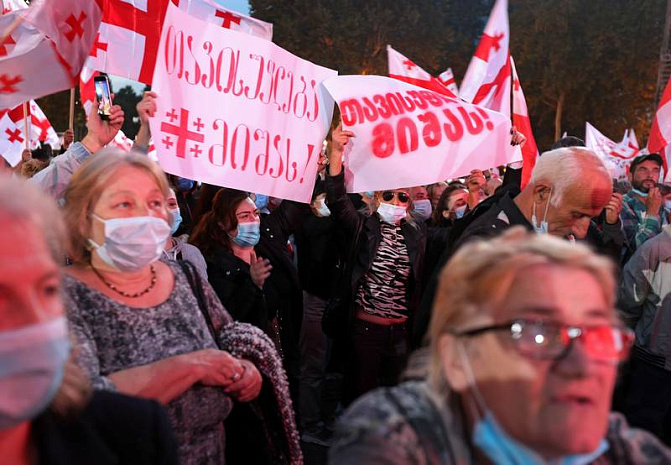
386,253
525,348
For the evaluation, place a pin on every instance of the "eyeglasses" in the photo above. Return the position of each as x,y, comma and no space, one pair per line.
388,196
549,340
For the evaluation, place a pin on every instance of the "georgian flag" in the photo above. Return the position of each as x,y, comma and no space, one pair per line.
403,69
447,79
487,80
127,42
617,156
660,132
12,140
39,127
522,122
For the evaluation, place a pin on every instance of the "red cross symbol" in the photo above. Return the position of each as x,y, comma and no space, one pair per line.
409,64
228,18
167,142
182,132
146,23
487,44
76,28
496,85
6,10
98,45
196,150
43,125
199,125
8,84
516,84
14,135
172,115
3,45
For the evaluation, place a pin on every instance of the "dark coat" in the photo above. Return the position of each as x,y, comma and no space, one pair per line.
231,280
364,234
317,255
112,430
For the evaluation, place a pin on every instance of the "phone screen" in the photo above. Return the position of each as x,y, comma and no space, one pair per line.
104,96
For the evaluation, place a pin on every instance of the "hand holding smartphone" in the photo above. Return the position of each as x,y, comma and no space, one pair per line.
104,94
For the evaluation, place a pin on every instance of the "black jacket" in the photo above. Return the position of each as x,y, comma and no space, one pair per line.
112,430
363,238
230,278
317,255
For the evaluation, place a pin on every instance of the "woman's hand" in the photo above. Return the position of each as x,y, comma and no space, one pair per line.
248,387
339,140
517,137
260,269
100,133
146,108
216,367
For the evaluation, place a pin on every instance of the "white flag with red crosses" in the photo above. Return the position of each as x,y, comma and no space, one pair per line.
448,80
45,48
87,90
12,140
660,132
127,42
617,156
7,6
523,123
487,80
39,127
403,69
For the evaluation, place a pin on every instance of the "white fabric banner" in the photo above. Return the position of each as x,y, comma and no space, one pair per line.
407,136
237,111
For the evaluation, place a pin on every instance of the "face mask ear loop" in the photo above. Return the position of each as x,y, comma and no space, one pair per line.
547,207
476,400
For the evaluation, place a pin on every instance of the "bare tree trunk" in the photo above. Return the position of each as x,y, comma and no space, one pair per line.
558,114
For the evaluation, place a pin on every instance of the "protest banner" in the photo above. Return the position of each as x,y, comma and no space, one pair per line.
236,110
616,156
408,136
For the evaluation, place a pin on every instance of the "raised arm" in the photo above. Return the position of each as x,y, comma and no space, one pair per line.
54,179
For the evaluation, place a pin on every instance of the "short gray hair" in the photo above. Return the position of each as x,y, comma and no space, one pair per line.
22,201
564,168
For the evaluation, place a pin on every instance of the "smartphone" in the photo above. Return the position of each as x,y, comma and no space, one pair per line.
104,94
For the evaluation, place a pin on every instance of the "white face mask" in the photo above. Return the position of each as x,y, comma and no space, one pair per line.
322,209
422,209
132,243
391,213
543,227
32,362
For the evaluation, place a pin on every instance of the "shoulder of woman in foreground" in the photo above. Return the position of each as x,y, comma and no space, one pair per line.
388,426
630,445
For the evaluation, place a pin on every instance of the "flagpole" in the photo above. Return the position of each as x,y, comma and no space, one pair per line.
72,109
25,125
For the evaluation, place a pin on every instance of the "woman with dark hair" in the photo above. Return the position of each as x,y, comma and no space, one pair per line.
250,269
451,206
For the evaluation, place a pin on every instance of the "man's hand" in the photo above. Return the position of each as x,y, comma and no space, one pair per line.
653,202
614,208
100,133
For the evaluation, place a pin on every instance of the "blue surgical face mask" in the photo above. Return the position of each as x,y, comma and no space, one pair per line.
543,228
422,209
132,243
460,211
176,220
32,362
490,437
667,205
184,185
248,234
639,192
261,201
391,213
369,194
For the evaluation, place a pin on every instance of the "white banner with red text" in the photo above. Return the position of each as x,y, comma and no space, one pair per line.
237,111
407,136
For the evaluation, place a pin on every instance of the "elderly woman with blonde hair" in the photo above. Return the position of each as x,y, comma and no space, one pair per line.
153,328
525,346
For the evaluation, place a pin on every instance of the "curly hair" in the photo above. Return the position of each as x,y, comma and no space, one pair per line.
211,232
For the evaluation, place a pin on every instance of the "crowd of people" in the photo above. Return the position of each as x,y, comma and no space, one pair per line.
149,318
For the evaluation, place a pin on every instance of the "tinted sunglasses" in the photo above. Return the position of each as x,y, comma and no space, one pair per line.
388,196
